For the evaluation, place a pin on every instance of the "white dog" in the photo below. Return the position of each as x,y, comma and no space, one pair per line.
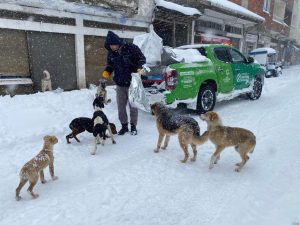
46,82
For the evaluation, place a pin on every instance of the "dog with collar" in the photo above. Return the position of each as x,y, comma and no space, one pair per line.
100,124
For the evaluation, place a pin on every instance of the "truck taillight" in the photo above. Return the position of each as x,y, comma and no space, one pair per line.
170,78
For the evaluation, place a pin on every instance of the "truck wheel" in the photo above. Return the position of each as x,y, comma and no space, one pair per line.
257,89
206,99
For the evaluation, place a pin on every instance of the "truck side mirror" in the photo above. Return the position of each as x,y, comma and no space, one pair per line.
250,60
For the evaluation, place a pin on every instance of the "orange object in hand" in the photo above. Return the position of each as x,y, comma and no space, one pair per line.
105,74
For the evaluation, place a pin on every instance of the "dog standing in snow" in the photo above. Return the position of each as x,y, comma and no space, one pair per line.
33,169
101,124
46,81
221,136
101,91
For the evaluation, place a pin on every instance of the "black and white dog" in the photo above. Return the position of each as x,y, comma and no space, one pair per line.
100,124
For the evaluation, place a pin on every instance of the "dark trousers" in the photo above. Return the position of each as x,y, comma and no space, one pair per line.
122,100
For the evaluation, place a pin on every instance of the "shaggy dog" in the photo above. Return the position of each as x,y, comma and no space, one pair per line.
100,124
34,168
81,124
101,91
46,82
169,123
243,140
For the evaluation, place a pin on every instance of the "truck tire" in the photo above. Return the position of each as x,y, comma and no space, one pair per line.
206,99
257,89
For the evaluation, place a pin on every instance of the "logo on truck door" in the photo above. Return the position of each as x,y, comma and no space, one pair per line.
243,77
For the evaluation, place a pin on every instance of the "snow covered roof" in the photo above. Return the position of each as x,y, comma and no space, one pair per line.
179,8
63,5
263,50
230,6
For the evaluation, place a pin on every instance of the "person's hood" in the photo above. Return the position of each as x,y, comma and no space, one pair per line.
112,39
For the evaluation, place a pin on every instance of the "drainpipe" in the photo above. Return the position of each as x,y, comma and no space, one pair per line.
193,32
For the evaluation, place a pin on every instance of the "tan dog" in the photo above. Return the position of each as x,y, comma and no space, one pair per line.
243,140
34,168
46,81
170,123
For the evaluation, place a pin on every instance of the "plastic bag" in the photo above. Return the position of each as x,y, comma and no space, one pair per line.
137,94
151,46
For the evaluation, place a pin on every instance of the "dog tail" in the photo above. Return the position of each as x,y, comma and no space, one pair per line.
201,139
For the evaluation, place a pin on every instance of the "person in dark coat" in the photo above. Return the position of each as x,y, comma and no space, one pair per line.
123,59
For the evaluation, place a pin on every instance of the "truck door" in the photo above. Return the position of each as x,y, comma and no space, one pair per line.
240,69
223,69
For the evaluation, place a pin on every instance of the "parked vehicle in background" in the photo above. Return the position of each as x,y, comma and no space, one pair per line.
267,58
205,74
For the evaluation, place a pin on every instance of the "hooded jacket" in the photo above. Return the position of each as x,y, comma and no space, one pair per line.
123,62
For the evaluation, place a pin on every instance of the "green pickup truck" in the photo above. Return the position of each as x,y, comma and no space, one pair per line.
224,74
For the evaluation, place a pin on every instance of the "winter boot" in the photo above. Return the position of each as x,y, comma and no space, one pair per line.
133,130
124,129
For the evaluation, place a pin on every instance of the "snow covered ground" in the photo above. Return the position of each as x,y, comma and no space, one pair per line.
128,184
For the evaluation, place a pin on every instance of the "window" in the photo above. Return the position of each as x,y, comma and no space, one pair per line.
267,5
222,54
279,10
236,56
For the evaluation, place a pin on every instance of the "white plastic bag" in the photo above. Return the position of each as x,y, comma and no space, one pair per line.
137,94
151,46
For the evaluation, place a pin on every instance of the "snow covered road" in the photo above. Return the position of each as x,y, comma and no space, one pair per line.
128,184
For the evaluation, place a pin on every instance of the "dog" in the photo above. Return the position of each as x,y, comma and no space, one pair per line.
100,124
46,82
170,123
221,136
81,124
101,91
33,169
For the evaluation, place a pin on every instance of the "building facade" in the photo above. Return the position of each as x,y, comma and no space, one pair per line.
64,37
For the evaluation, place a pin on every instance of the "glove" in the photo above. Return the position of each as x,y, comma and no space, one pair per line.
105,74
140,71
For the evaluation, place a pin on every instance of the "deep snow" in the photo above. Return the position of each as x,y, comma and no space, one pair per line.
128,184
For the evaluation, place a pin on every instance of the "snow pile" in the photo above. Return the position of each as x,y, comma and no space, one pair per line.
262,51
230,6
151,46
190,55
179,8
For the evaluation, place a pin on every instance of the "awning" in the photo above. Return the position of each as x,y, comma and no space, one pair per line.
188,11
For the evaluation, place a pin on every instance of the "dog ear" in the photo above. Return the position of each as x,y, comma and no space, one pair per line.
46,137
53,139
213,116
153,108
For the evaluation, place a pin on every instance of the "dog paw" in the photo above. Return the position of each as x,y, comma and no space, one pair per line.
210,167
237,164
54,178
156,150
193,159
44,181
114,142
93,153
18,198
237,170
164,148
183,160
35,196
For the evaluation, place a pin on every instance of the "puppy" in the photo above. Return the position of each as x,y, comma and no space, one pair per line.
100,124
79,125
46,82
34,168
101,91
170,123
243,140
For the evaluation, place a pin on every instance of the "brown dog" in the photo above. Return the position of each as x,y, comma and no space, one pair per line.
170,123
34,168
243,140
